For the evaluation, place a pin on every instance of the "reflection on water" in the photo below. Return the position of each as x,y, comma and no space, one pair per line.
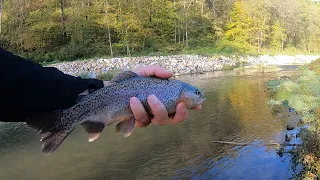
235,110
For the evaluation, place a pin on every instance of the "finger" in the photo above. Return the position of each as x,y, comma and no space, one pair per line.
140,114
159,111
154,71
181,114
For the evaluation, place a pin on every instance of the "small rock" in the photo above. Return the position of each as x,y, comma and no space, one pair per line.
290,127
291,109
92,75
287,138
301,121
88,66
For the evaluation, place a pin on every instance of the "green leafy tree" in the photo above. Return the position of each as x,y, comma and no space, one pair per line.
260,14
72,29
240,25
278,36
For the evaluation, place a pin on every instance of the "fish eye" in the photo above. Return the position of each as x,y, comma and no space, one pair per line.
198,92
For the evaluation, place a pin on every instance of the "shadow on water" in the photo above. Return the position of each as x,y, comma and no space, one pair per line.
235,110
15,135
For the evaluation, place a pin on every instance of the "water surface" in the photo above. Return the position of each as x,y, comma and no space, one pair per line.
235,110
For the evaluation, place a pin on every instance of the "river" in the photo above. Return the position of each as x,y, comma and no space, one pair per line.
235,110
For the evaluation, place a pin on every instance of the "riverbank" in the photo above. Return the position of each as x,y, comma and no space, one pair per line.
302,94
181,64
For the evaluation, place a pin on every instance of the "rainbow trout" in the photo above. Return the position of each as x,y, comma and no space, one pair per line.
112,104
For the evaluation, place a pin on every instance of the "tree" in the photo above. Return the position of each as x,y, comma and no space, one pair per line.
260,14
278,36
63,19
108,25
0,15
240,25
66,30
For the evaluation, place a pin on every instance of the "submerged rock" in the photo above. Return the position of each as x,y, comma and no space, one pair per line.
291,109
301,121
290,127
288,137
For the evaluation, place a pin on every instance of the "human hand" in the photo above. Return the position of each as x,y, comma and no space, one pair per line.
160,113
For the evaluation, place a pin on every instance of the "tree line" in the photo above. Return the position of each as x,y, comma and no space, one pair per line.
72,29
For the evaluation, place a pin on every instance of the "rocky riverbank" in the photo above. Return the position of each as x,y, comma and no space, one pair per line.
179,64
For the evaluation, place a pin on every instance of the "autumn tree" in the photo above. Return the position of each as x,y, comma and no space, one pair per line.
67,30
278,36
240,25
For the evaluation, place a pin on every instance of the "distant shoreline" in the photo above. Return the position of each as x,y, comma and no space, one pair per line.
181,64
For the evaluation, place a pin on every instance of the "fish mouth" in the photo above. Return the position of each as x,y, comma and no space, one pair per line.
201,101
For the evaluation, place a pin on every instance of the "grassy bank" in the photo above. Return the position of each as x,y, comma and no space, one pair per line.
303,94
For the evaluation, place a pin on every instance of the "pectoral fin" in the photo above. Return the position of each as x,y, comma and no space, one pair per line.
93,136
126,127
94,129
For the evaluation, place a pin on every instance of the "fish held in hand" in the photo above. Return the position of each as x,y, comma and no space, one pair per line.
112,104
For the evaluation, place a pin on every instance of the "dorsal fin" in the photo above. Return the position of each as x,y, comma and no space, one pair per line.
124,75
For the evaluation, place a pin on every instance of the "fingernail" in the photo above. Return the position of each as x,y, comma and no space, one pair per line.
134,101
183,108
153,99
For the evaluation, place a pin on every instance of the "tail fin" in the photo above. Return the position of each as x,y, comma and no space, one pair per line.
52,131
52,140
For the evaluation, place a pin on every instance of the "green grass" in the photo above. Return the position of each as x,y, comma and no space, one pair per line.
106,76
303,94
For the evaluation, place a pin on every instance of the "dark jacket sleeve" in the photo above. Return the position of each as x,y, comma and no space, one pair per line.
28,89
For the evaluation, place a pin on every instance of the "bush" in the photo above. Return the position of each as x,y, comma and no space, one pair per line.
230,47
107,76
315,66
